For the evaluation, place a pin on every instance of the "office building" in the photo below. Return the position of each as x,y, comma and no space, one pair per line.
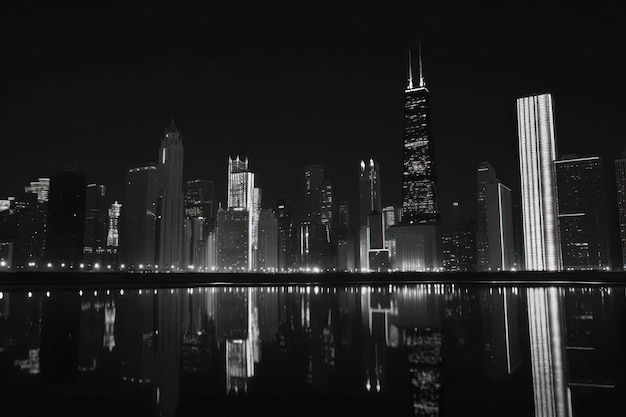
95,241
138,219
582,213
620,179
495,245
66,219
170,201
419,176
537,152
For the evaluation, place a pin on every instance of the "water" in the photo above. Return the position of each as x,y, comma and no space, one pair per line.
304,350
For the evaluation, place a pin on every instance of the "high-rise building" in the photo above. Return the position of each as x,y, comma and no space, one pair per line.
582,213
243,195
345,239
113,233
267,255
95,241
315,228
495,245
419,176
620,179
537,152
170,202
138,219
327,209
198,223
314,182
233,226
66,218
199,199
369,190
287,235
415,242
369,202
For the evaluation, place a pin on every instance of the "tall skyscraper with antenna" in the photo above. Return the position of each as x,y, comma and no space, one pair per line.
419,178
170,201
415,242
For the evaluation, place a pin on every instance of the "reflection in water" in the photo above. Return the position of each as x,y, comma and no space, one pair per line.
547,350
422,350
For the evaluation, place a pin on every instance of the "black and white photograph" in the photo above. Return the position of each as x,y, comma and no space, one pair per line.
308,210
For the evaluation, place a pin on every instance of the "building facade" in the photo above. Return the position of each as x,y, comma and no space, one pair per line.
582,214
170,201
537,151
138,219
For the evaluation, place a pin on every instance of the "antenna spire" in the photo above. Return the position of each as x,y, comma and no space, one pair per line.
410,86
422,82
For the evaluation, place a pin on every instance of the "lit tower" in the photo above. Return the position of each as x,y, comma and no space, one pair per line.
419,178
537,152
170,200
369,190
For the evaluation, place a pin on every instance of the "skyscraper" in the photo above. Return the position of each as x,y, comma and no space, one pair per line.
287,236
95,241
620,179
170,200
415,242
267,255
494,237
315,228
582,213
419,176
243,195
537,151
198,222
66,218
233,239
345,239
138,219
369,190
113,233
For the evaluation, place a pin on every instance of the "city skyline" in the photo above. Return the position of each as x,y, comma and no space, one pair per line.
344,83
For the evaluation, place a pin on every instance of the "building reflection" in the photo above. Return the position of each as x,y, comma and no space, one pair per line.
423,350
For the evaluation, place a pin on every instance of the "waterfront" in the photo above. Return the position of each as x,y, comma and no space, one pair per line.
332,348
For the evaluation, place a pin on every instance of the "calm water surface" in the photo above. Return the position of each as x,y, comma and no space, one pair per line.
397,349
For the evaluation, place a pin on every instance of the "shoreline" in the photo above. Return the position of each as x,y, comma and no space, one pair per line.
32,280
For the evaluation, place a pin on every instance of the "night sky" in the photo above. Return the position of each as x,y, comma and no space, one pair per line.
96,87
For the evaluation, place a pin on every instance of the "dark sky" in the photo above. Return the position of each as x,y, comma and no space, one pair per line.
290,87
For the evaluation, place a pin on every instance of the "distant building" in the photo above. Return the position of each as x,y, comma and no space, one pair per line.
315,228
66,219
287,235
369,202
138,219
495,244
582,214
369,190
95,242
345,240
537,150
113,234
267,254
233,239
170,201
198,223
620,178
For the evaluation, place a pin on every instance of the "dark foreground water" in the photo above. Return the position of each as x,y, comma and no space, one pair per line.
303,350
